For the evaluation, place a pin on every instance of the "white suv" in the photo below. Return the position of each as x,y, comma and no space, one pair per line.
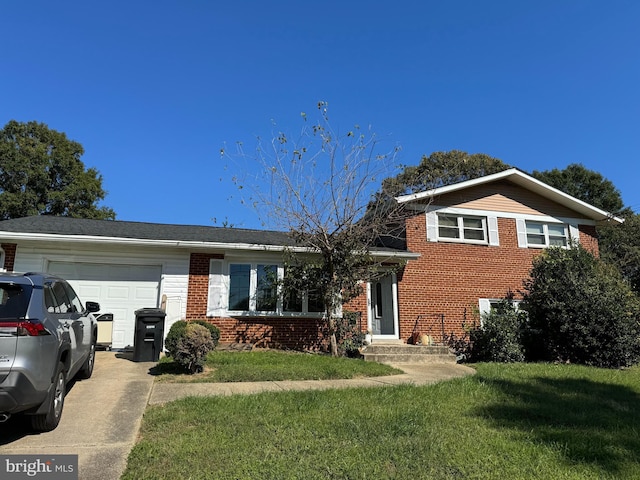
46,338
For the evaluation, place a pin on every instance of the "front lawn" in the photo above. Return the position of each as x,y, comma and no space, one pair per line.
272,365
519,421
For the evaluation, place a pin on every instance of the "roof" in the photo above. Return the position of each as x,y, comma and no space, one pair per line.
525,181
48,227
67,226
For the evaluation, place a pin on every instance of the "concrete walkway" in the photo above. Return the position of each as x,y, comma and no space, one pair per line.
423,374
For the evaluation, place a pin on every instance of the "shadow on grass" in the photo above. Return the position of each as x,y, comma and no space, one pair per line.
587,422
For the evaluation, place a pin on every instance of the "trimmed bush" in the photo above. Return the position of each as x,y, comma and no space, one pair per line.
177,330
213,330
192,347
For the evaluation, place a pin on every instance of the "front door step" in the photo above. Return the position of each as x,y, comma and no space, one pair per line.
403,353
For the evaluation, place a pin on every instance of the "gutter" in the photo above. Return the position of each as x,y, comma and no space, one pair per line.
190,245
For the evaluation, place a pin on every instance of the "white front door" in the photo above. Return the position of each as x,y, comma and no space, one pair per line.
383,312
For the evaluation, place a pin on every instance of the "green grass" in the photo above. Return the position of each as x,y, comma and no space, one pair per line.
508,421
272,365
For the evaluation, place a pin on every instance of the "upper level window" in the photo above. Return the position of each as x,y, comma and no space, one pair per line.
546,234
462,228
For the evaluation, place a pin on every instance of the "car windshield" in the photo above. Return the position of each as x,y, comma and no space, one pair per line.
14,300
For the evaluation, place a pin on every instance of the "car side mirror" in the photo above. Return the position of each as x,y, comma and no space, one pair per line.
92,307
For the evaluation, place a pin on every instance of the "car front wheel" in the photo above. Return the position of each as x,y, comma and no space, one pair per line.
48,421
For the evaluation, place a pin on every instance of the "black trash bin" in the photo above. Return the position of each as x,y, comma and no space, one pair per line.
149,333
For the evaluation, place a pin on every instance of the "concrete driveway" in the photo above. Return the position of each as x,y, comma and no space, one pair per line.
100,420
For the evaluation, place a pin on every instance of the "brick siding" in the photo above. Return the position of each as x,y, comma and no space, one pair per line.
9,255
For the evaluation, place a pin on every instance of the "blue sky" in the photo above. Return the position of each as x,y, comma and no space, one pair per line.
153,90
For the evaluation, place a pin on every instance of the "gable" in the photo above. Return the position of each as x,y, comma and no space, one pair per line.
504,196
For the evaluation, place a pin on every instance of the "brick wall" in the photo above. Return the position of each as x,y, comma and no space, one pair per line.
9,256
448,279
298,333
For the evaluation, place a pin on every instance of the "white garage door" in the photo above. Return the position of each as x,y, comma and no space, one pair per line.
120,289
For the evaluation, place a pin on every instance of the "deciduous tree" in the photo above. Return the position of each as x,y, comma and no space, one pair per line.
584,184
41,174
442,168
318,187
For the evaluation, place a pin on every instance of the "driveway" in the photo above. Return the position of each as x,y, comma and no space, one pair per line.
100,420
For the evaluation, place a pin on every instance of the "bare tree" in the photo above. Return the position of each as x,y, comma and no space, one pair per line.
323,188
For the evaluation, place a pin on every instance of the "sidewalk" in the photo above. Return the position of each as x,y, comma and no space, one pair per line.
415,374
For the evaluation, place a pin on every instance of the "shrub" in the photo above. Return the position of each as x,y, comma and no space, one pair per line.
580,311
177,330
175,333
192,347
499,337
213,330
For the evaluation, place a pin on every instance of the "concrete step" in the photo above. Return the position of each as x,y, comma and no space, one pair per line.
408,354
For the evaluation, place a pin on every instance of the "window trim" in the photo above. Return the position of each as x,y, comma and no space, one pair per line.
572,233
461,228
492,237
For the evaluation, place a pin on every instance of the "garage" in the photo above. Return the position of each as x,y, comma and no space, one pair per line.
119,288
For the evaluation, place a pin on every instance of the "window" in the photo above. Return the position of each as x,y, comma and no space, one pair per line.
252,288
309,301
239,286
488,304
267,288
56,299
546,234
462,228
76,305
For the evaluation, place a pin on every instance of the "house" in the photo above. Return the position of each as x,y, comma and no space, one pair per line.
466,245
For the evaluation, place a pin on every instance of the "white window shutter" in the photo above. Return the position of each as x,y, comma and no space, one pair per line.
216,297
521,227
485,308
492,223
485,305
574,234
432,227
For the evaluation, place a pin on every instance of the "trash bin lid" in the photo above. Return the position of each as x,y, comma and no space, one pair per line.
151,312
